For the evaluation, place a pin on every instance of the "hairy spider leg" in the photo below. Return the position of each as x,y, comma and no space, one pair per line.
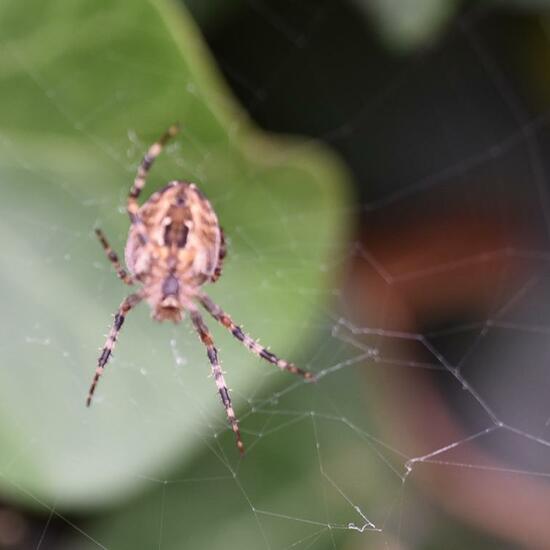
141,177
123,275
129,302
251,344
212,352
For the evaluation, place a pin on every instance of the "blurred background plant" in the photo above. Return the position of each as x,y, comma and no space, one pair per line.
410,272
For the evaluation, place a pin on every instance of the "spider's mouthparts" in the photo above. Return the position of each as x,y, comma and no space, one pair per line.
168,313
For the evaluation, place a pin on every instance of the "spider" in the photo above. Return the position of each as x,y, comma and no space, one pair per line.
175,245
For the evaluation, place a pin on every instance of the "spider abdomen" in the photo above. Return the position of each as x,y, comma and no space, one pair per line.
181,248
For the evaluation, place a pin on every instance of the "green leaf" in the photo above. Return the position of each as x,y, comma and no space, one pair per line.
86,86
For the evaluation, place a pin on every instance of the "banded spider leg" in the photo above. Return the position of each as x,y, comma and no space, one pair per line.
141,178
128,303
212,352
247,341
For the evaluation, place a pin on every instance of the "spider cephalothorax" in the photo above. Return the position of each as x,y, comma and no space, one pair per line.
175,245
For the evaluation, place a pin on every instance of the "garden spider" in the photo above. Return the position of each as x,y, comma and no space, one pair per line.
175,245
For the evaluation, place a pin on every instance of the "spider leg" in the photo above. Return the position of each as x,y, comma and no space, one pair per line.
222,255
212,352
113,258
141,176
251,344
129,302
143,169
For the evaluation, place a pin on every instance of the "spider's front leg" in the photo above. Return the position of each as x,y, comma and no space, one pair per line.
141,177
129,302
212,352
149,158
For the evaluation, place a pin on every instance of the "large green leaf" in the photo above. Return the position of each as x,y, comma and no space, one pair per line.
85,87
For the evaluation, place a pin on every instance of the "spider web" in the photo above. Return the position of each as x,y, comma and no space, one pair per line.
432,402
